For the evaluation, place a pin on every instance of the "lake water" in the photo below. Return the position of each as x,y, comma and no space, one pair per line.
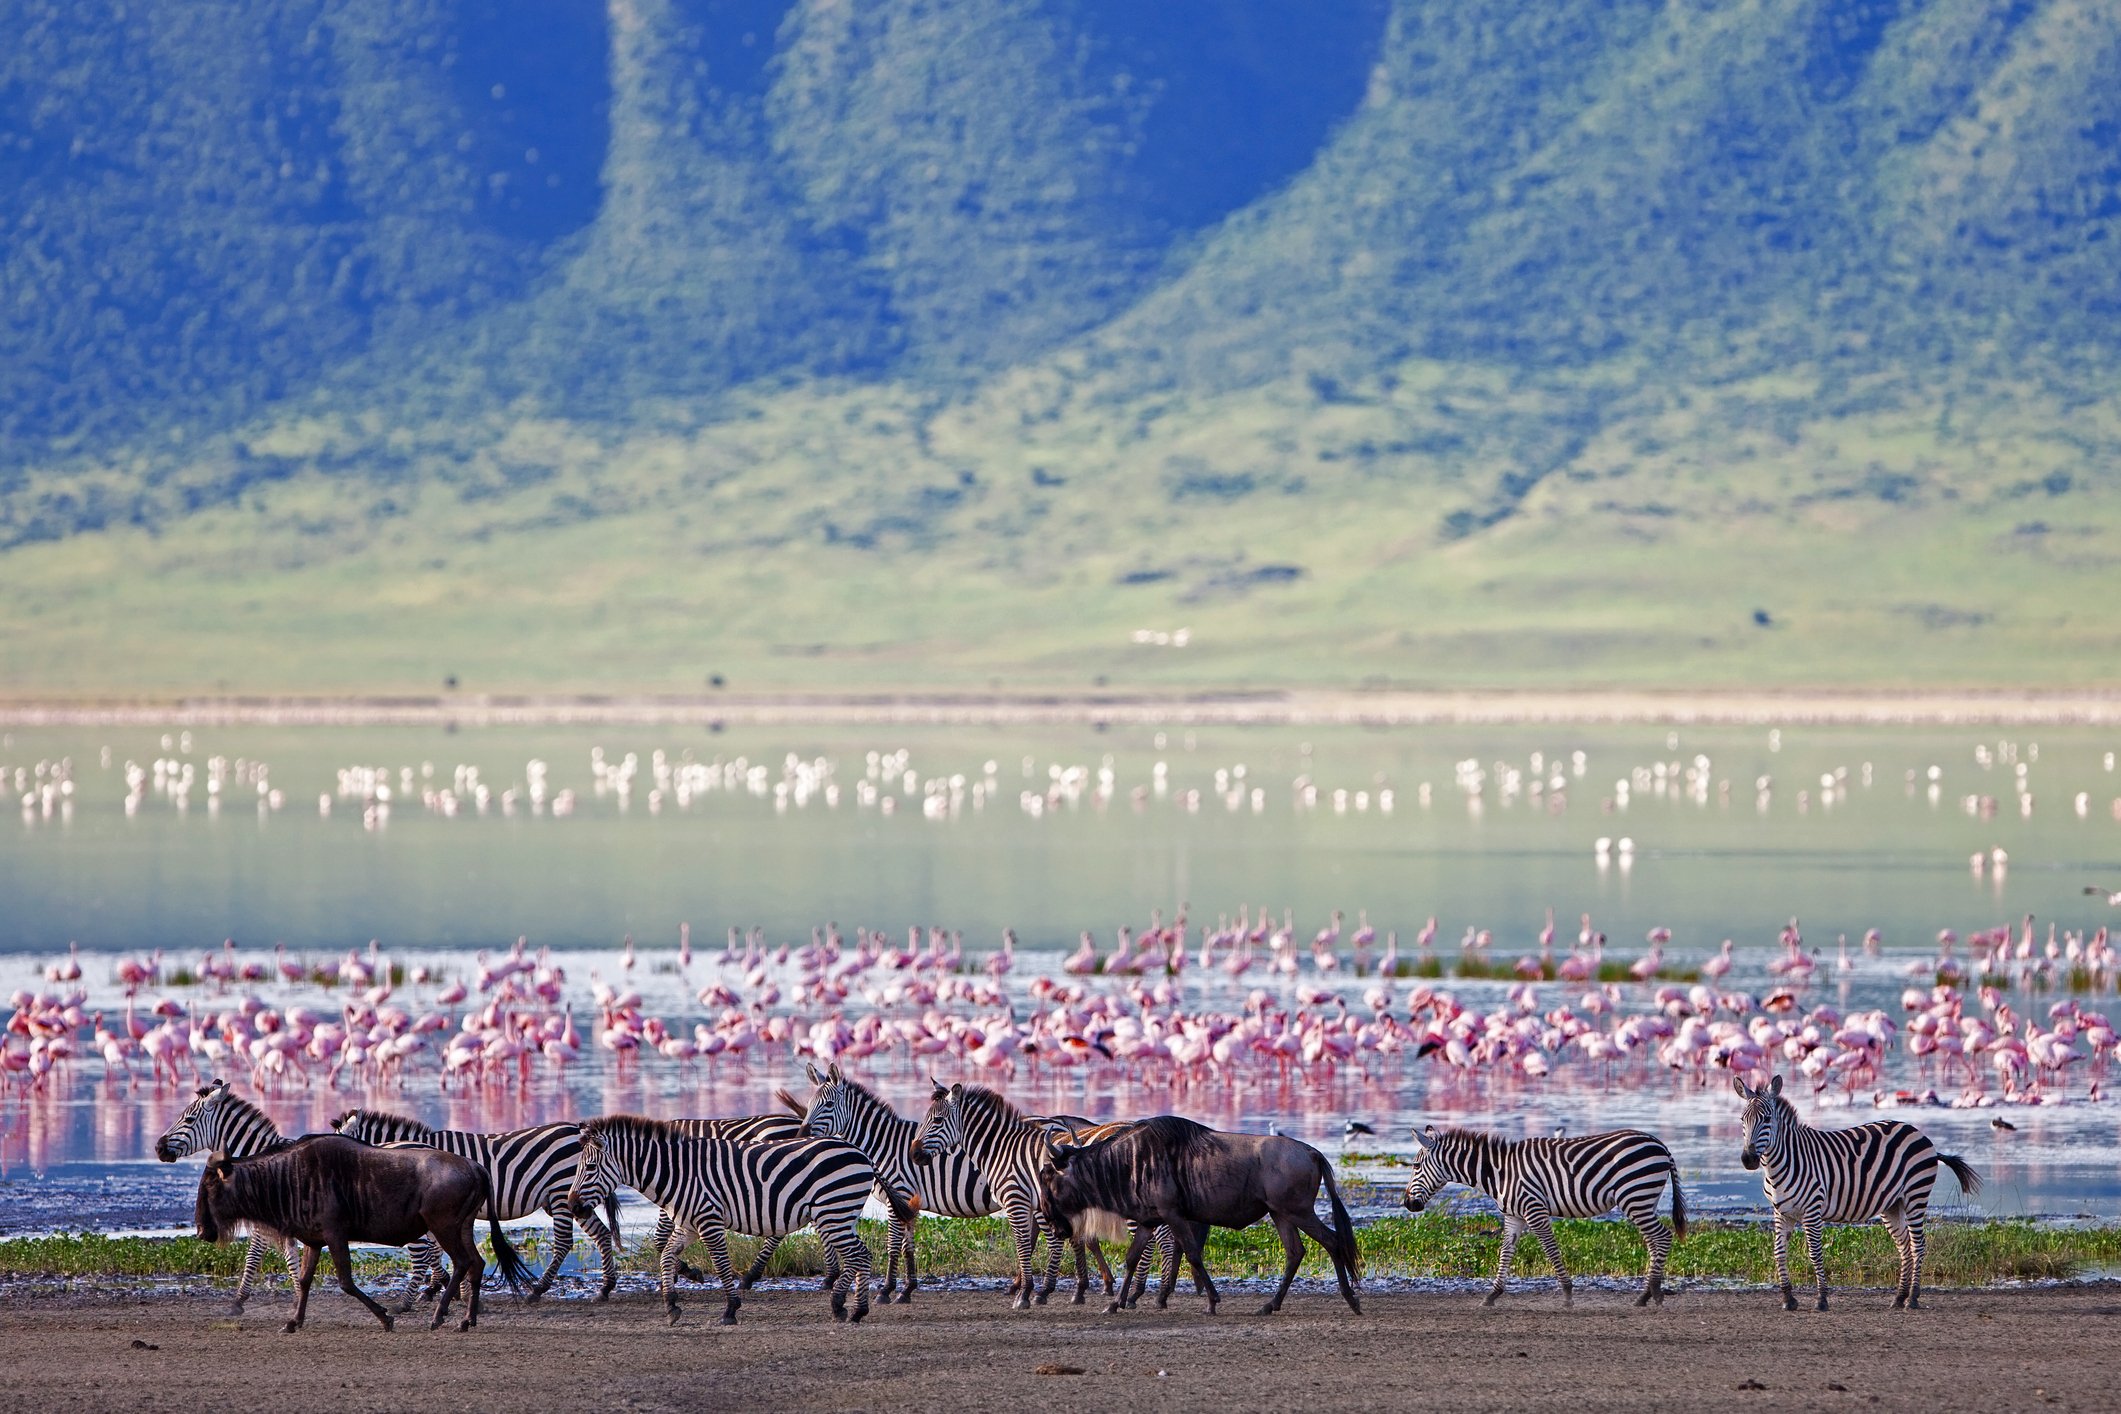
1732,833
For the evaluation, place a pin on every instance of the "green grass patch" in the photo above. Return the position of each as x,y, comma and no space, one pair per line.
1436,1244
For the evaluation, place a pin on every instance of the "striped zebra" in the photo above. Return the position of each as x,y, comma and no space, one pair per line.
741,1129
711,1186
218,1120
1535,1181
531,1171
1818,1176
1006,1146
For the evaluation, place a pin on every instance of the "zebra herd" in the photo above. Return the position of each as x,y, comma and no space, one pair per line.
973,1153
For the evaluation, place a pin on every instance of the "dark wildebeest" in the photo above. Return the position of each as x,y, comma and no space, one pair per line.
1171,1170
326,1191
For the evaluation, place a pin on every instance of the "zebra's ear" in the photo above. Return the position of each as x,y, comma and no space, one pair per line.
1429,1135
833,1071
940,1088
1774,1087
957,1091
810,1069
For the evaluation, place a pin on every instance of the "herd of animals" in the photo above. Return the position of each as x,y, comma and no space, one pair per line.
1161,1182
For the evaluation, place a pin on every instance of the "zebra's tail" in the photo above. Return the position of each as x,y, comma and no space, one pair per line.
906,1210
611,1216
1350,1252
1969,1180
795,1107
505,1255
1678,1208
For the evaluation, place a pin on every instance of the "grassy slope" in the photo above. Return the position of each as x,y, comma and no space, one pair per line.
833,539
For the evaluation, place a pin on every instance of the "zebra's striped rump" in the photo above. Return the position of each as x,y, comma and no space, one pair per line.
1812,1177
713,1186
1535,1181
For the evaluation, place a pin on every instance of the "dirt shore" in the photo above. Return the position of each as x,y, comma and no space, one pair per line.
1323,707
1986,1350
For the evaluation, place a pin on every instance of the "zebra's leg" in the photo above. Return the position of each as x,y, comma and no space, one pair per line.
1896,1223
1512,1229
1658,1238
1815,1247
1023,1226
425,1277
1167,1261
1292,1246
664,1224
671,1242
430,1259
1917,1247
912,1276
342,1263
843,1239
562,1244
757,1269
607,1252
716,1236
303,1277
1543,1230
252,1258
1053,1262
1782,1261
894,1242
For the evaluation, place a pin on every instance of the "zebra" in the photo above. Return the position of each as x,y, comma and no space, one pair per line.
741,1129
712,1185
1816,1176
1006,1146
531,1170
218,1120
1535,1181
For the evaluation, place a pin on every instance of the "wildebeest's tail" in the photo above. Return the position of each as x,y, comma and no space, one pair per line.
504,1253
1969,1180
1678,1208
1350,1253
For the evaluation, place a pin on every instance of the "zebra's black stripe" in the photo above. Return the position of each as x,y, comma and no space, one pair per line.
1535,1181
1818,1176
711,1186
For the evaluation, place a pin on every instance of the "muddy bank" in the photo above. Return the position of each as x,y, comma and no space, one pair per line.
2048,1348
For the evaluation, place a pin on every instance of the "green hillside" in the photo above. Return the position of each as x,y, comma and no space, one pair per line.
946,342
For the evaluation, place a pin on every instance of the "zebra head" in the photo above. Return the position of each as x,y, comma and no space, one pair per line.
829,1115
591,1168
199,1127
1432,1171
942,1129
1766,1114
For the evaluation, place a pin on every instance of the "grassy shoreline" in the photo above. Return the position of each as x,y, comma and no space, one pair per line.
1434,1245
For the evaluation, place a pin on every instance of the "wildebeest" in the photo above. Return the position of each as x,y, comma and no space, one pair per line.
1171,1170
326,1191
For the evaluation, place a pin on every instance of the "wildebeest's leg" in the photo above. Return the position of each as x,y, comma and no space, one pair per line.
1513,1228
716,1237
757,1269
461,1242
562,1243
1543,1229
1128,1267
342,1263
1292,1248
1094,1250
1309,1224
306,1274
1193,1240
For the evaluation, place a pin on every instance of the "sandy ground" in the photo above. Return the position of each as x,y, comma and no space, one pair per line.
1320,707
1985,1350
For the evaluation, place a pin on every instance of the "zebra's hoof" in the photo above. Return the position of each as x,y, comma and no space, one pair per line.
464,1325
1822,1303
1112,1308
534,1295
1491,1298
859,1312
1269,1309
1042,1297
1789,1303
676,1310
1079,1298
290,1328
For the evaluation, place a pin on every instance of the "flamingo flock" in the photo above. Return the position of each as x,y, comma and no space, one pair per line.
1170,1004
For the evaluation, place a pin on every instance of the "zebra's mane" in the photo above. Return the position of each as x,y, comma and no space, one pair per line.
978,1099
864,1098
1468,1143
238,1110
609,1127
390,1121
